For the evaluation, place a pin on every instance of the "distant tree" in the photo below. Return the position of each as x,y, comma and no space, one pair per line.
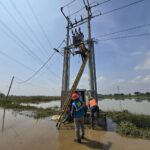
2,95
147,93
122,94
129,94
137,93
116,94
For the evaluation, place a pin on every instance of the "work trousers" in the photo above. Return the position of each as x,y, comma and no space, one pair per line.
94,109
79,127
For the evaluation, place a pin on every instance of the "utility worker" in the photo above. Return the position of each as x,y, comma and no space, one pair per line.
93,109
78,115
82,50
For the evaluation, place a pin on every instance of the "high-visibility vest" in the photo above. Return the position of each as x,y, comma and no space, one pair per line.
78,105
92,103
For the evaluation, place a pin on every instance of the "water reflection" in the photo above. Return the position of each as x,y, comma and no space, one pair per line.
131,105
43,105
3,121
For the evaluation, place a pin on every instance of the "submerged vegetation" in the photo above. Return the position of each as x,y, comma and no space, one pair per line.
29,99
131,124
39,112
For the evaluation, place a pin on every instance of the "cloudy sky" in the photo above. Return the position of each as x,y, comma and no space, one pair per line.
30,29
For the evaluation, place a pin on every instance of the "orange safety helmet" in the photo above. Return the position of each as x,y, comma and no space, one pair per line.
75,96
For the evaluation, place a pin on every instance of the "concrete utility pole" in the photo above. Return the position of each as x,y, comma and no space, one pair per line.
66,65
92,68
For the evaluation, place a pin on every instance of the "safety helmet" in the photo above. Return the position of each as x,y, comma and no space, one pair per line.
75,96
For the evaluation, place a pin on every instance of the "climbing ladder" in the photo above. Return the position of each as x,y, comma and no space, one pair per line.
74,86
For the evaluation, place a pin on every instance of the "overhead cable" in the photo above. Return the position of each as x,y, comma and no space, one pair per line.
21,27
30,29
124,30
124,6
23,45
90,4
124,37
16,61
69,3
35,73
37,20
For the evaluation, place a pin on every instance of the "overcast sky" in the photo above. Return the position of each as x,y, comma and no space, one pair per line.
30,29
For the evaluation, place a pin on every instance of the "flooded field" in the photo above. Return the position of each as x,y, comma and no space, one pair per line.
19,132
133,106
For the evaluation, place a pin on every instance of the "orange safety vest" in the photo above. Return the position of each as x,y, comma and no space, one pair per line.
92,103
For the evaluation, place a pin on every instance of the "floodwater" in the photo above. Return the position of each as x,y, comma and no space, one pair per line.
132,106
19,132
44,105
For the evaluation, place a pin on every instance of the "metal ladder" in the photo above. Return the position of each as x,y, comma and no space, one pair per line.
74,86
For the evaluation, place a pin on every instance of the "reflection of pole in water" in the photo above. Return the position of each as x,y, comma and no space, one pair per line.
3,122
118,90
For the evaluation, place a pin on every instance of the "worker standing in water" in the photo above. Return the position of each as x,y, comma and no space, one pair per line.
93,109
77,113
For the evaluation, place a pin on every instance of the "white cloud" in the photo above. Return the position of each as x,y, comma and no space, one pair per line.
136,79
144,66
120,81
136,53
148,53
100,78
146,79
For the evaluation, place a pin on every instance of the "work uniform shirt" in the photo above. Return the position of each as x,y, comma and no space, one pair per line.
77,109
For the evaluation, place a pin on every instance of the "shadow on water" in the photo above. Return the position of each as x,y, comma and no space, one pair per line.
96,145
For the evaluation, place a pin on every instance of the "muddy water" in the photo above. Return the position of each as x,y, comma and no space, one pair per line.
24,133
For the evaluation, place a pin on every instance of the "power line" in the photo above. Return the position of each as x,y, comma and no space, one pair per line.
20,63
35,73
57,60
21,27
124,30
30,29
121,7
69,3
123,37
90,4
20,41
16,61
37,20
